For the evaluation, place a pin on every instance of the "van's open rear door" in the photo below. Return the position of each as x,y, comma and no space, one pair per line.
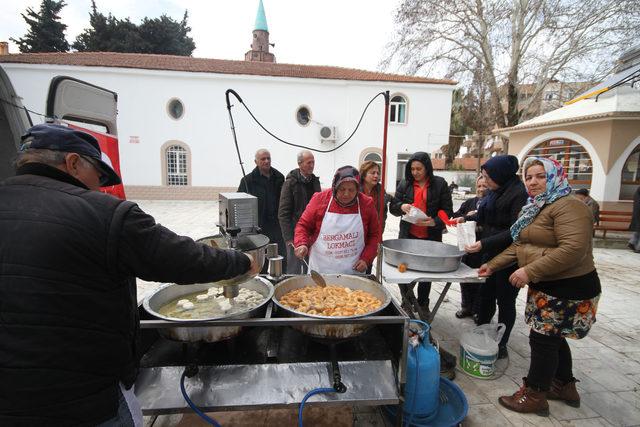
14,121
92,109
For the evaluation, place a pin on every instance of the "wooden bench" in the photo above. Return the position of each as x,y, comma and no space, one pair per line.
612,221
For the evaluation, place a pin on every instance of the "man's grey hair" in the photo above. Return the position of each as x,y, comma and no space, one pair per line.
260,151
40,155
302,154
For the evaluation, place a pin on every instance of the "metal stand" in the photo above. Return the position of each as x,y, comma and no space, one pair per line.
406,283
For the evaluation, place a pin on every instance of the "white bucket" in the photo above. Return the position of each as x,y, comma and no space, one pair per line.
479,350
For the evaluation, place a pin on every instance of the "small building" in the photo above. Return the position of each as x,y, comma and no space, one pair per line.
596,136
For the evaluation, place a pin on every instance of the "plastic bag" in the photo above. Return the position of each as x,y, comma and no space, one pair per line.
485,337
414,215
466,234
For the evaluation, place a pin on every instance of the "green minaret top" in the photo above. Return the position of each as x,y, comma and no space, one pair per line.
261,19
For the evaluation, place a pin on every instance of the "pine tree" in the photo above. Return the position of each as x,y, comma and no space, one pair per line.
46,32
161,35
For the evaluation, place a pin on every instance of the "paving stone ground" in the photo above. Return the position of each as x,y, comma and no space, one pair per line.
607,361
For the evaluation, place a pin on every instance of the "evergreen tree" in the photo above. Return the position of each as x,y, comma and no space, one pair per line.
46,32
161,35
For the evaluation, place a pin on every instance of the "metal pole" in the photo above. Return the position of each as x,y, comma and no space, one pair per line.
383,178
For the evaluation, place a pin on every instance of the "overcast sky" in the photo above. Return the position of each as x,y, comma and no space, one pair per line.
345,33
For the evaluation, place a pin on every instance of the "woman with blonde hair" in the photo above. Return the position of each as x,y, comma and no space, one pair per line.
470,292
552,245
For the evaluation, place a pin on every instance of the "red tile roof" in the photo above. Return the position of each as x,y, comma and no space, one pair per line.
205,65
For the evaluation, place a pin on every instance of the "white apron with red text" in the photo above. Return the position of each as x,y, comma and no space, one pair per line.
339,244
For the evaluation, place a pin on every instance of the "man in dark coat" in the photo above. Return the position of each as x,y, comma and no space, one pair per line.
69,256
437,198
634,242
297,190
265,183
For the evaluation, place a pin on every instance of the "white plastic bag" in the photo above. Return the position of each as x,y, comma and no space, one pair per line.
466,232
414,215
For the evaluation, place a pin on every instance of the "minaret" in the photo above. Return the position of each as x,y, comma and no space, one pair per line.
260,46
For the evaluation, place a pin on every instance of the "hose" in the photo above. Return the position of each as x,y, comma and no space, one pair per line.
307,396
193,406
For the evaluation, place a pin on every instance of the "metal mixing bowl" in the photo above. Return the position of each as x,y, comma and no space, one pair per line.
337,331
167,293
422,255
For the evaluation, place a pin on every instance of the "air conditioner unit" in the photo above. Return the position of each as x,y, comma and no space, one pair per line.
328,133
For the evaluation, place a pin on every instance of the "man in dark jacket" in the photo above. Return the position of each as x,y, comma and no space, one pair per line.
297,190
265,183
437,198
69,256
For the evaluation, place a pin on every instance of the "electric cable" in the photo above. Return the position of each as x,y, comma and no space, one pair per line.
193,406
307,396
291,143
26,109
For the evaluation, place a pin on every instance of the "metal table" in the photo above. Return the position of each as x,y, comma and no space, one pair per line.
407,281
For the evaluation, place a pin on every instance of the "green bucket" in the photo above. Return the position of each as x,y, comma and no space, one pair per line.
477,365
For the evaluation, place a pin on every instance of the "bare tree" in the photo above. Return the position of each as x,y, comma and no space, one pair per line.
515,41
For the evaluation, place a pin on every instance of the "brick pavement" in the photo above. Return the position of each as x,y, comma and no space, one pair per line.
606,362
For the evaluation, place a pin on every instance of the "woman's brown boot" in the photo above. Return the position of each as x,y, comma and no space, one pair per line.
527,400
566,392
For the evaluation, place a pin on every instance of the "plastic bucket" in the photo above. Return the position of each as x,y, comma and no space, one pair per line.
479,350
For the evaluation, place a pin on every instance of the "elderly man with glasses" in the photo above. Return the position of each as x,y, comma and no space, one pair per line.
69,257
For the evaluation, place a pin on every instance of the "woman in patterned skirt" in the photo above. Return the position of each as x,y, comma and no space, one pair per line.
553,249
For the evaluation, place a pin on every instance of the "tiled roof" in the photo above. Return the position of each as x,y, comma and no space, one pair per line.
205,65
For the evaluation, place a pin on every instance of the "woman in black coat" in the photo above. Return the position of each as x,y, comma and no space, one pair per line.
497,212
432,196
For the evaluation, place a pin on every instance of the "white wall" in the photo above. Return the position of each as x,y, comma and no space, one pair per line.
143,97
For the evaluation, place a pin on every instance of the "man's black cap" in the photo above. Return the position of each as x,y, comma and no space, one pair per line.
62,138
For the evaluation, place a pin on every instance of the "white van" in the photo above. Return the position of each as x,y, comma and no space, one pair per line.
69,101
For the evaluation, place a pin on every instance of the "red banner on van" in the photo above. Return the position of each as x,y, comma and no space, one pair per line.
109,146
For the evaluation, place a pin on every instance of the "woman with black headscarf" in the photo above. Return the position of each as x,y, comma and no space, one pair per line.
429,193
497,212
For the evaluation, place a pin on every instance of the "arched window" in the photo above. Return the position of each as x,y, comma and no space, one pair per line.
630,175
572,155
176,164
373,157
398,109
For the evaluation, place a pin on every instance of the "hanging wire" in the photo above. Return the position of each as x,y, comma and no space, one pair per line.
299,145
26,109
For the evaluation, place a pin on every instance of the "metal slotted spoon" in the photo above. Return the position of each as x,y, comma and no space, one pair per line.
317,277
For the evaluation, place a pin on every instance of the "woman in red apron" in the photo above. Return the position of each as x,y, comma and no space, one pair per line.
339,228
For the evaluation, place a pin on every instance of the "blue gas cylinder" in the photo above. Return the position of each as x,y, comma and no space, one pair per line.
422,391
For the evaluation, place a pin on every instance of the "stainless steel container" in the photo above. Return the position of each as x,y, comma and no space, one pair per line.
167,293
422,255
341,331
252,244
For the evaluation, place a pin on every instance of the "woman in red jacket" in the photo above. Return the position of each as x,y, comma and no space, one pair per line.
339,228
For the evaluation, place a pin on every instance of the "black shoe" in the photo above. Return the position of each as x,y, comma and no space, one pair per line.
463,312
503,353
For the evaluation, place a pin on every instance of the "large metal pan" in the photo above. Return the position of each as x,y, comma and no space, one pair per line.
342,331
204,333
422,255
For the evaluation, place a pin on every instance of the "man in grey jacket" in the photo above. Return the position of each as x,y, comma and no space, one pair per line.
297,190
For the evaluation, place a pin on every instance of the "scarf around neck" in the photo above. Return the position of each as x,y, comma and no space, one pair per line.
557,187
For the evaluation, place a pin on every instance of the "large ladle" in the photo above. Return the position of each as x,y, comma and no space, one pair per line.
315,276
